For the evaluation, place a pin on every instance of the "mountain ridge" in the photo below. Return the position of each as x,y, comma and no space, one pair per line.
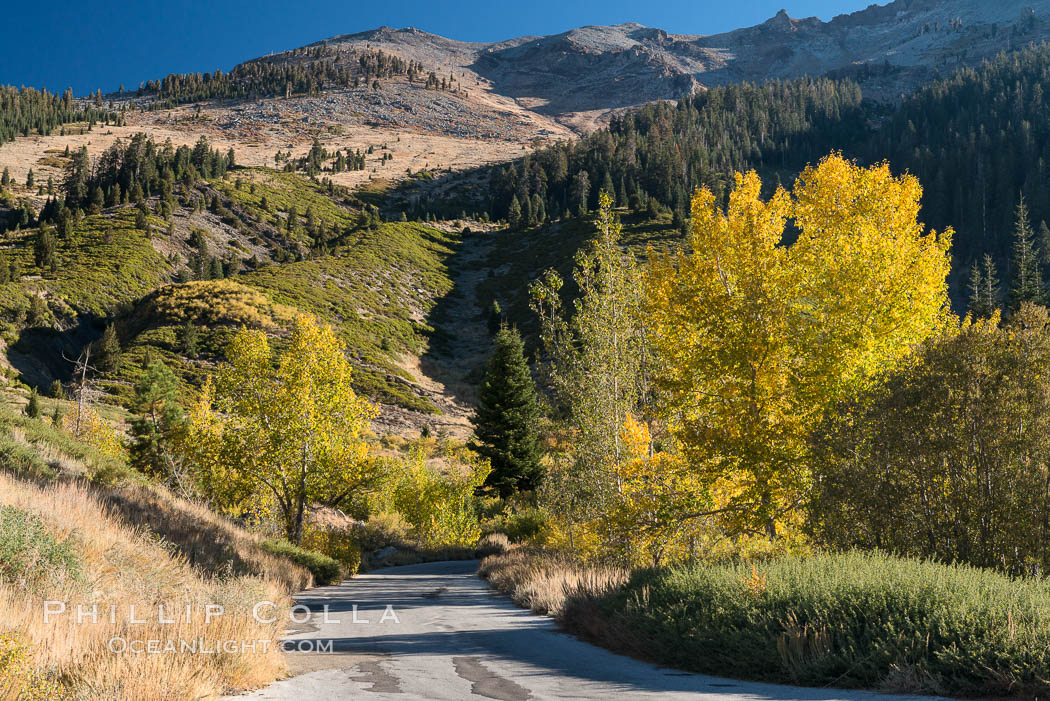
889,48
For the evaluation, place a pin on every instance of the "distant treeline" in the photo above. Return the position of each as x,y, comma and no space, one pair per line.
25,111
977,140
305,71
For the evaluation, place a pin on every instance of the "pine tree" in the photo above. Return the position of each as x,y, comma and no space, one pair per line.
514,213
107,350
1026,281
33,407
189,339
983,288
505,421
539,212
158,421
215,269
45,249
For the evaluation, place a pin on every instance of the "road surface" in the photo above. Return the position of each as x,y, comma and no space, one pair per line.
455,639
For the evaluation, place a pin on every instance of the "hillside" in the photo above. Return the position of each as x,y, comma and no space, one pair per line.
352,165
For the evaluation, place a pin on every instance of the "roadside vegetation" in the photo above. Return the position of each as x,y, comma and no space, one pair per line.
777,455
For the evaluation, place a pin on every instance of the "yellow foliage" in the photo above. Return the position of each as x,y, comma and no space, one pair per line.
215,302
755,338
280,436
86,425
441,507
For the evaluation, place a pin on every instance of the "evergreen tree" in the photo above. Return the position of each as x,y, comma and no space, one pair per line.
215,269
1026,281
514,213
983,288
505,421
33,407
158,422
57,390
189,339
539,212
45,249
107,350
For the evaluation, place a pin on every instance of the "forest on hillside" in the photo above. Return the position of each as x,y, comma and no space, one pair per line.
978,141
25,111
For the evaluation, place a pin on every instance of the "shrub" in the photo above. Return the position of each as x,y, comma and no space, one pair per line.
521,524
955,443
30,554
852,619
17,677
441,506
340,544
324,569
383,529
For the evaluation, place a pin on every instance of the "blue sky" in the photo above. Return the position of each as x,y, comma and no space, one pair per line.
105,43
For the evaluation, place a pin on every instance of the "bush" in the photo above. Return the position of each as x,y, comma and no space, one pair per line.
17,677
324,569
521,524
383,529
440,506
337,543
955,443
852,619
29,554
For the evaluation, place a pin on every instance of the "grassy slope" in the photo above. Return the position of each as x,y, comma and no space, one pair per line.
133,544
519,257
375,284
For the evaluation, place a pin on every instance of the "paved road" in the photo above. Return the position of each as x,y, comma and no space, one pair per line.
454,639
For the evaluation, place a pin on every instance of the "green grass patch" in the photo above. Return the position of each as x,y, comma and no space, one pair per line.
849,620
30,555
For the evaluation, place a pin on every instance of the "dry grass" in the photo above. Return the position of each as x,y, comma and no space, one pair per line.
497,543
546,582
121,566
210,543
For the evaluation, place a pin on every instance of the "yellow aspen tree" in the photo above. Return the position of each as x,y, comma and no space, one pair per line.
755,335
281,435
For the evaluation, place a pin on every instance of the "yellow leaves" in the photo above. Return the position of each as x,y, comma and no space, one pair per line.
755,337
86,425
439,504
217,302
755,583
281,437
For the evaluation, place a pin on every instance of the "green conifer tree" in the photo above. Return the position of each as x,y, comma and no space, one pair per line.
514,213
33,407
505,421
1026,282
159,418
107,350
983,288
